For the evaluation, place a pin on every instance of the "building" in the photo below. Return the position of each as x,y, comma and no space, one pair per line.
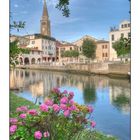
102,49
65,46
115,34
45,28
41,45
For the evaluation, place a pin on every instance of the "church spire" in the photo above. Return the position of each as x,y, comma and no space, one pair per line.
45,11
45,22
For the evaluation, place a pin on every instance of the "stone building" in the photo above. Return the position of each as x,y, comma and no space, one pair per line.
115,34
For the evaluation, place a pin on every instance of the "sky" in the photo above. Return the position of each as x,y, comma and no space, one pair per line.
87,17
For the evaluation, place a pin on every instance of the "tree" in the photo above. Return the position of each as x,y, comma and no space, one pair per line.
70,53
122,46
89,48
15,51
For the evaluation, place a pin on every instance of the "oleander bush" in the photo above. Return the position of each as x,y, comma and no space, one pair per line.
58,118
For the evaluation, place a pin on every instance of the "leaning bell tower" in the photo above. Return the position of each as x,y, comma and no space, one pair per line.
45,22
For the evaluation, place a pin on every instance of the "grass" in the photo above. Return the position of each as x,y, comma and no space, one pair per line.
92,135
16,101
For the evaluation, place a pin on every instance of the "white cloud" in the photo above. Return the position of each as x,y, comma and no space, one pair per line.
16,5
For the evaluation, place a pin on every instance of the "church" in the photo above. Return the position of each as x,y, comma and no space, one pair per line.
41,45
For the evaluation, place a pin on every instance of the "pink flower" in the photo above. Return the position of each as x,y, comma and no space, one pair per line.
13,120
71,102
38,135
67,113
63,107
13,129
90,109
44,108
22,109
32,112
22,116
93,124
65,92
64,100
56,90
72,108
56,108
49,102
46,134
71,95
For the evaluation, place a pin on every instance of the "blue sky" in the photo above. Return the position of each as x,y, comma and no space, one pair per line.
87,17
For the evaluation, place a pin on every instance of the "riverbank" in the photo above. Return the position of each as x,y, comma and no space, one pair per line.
16,101
111,70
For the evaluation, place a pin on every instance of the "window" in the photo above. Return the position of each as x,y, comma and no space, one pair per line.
125,25
106,46
106,55
33,42
122,35
70,48
102,46
128,24
46,47
122,26
112,37
103,55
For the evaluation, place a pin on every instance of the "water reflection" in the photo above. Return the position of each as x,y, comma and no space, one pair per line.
40,83
110,97
89,93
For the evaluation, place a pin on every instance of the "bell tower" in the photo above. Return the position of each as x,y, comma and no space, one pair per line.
45,22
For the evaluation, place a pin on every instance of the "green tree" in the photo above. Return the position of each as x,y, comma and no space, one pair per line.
15,51
89,48
122,46
70,53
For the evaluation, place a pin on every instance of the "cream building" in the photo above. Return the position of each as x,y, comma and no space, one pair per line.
102,49
65,46
116,34
42,46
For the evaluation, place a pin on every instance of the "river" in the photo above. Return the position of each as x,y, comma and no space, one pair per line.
110,98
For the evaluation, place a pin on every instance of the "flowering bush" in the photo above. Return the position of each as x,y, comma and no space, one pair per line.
58,118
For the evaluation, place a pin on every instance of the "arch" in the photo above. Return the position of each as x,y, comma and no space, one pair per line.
39,60
26,61
33,61
21,61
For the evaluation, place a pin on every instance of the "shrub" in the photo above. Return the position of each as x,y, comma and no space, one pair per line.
58,118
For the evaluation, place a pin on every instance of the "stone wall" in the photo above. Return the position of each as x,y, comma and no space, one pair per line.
119,68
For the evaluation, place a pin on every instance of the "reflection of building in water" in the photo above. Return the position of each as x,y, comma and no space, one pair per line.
41,82
37,89
119,92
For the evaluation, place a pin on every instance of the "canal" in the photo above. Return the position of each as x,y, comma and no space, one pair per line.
110,98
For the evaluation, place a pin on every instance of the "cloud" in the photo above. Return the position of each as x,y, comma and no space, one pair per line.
16,5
